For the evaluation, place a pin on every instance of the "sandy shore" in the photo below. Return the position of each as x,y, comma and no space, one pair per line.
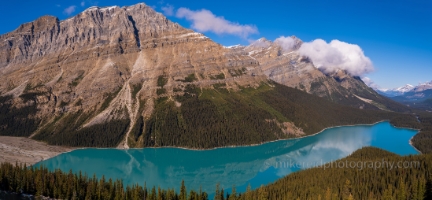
24,150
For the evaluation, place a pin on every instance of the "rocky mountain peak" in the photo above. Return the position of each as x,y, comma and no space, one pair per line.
113,63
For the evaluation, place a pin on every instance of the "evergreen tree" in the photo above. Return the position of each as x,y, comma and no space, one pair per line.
262,193
152,194
183,193
328,194
428,187
401,190
217,193
248,194
233,195
347,189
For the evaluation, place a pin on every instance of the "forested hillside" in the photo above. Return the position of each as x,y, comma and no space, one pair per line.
206,118
413,182
423,140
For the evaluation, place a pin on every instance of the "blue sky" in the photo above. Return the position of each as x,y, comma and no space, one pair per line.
396,35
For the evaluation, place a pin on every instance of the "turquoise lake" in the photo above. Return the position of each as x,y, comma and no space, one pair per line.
239,166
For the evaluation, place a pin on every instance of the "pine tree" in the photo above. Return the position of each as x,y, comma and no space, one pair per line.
414,189
233,195
401,190
183,192
153,194
346,189
248,194
262,193
388,193
217,193
428,187
145,191
159,194
328,194
421,191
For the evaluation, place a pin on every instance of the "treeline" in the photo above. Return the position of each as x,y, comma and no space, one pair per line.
351,183
67,130
60,185
414,181
17,121
202,124
312,113
207,118
423,140
217,117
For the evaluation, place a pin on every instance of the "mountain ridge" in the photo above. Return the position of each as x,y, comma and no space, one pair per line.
122,70
400,91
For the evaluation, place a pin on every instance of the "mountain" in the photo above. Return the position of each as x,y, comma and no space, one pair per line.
423,86
401,91
127,76
397,91
418,97
414,96
286,66
105,59
418,100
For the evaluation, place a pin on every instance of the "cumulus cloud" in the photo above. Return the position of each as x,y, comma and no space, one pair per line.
337,55
69,10
369,82
168,10
204,20
287,43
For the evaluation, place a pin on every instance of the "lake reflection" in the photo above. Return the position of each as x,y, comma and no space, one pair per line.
239,166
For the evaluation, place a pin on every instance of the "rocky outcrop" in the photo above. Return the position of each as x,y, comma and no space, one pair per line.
105,60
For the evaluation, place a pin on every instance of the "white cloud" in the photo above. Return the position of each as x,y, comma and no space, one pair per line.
337,55
168,10
69,10
287,43
204,20
369,82
82,3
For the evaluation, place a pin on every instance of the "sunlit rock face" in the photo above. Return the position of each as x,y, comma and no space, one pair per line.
283,62
75,64
105,65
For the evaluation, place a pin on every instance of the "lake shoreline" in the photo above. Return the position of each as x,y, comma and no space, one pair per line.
263,143
27,151
257,165
64,149
411,143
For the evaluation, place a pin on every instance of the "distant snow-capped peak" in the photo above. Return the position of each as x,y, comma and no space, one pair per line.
423,86
405,88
